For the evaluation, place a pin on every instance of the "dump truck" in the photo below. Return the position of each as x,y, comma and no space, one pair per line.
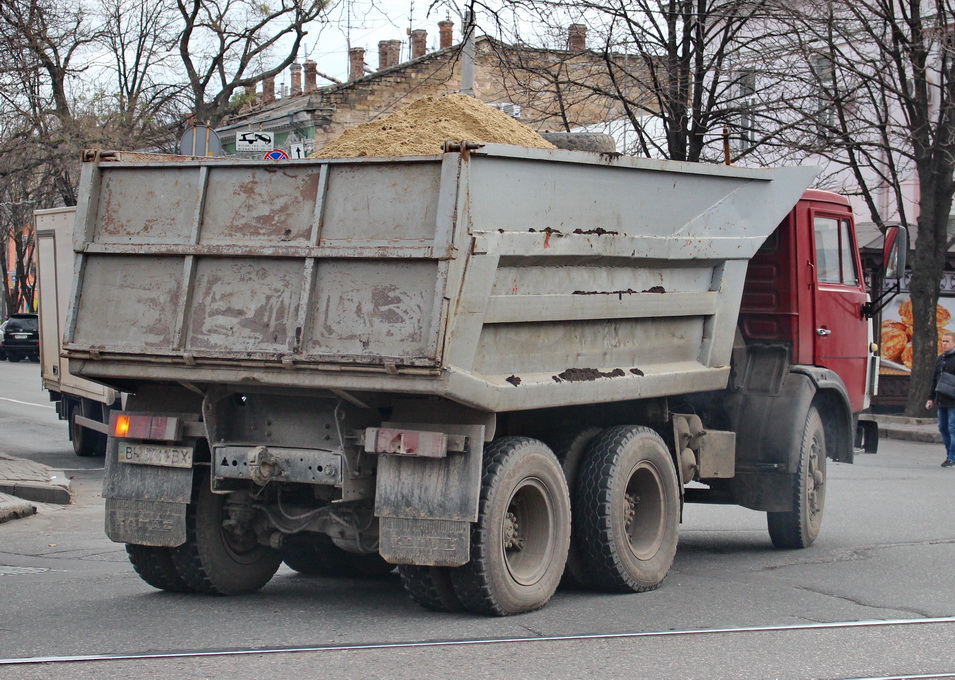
84,404
495,367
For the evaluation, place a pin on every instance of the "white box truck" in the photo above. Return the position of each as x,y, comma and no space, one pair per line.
83,403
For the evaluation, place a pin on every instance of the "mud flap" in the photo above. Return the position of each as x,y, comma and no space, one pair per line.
146,522
430,542
867,436
426,505
145,504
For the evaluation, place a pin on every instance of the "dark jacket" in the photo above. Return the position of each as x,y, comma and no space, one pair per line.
945,362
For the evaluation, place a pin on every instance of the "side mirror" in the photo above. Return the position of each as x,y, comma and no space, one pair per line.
894,252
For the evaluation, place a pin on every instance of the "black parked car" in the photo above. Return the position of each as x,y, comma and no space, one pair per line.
20,337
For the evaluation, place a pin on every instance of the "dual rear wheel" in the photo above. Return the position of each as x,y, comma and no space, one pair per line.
218,558
625,514
221,557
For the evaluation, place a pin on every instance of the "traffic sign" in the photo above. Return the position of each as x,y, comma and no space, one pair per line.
276,155
200,140
254,140
296,150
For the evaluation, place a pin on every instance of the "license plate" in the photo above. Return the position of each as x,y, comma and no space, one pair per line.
21,336
165,456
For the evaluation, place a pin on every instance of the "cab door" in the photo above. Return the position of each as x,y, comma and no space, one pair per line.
840,340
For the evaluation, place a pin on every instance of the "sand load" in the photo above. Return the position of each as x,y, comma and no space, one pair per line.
422,127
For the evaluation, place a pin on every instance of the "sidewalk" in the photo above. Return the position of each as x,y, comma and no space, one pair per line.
22,481
907,429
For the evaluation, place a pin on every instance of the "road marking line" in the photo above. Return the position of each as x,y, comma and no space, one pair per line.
26,403
485,641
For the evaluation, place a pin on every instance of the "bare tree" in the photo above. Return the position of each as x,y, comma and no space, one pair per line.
16,238
41,48
671,66
145,98
225,45
872,89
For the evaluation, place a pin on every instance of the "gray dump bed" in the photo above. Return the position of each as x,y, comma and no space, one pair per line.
503,278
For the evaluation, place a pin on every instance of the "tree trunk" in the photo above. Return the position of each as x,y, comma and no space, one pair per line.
926,271
927,267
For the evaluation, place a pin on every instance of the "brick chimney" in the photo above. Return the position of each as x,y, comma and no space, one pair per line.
311,76
577,37
268,90
419,43
446,32
356,63
389,54
296,79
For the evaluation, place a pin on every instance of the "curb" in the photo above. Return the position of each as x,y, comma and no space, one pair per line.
32,481
14,508
905,428
910,435
37,492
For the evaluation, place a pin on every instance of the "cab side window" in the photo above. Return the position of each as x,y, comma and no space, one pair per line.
835,255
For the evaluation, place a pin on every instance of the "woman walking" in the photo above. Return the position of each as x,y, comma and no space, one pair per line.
942,395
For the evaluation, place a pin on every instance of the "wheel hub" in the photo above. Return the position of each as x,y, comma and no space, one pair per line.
815,481
630,510
513,540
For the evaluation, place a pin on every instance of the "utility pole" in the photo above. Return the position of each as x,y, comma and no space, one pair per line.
467,55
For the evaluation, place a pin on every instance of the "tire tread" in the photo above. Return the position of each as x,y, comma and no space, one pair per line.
430,587
197,570
593,511
154,565
472,581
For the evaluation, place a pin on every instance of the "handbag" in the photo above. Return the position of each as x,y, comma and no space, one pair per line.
946,385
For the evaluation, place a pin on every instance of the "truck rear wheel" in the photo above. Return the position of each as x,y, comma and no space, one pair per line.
430,587
154,566
215,560
627,510
86,442
519,542
799,527
570,448
317,555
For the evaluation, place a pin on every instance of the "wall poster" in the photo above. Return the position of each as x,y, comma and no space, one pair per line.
896,341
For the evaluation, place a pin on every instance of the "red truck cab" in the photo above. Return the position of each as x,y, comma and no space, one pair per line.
805,288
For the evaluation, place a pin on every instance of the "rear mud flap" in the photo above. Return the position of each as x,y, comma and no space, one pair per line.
431,542
145,504
426,505
146,522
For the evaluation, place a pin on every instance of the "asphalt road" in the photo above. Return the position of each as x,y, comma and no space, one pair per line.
873,597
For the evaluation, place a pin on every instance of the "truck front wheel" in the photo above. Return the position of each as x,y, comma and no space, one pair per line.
154,566
221,556
519,542
799,527
627,510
